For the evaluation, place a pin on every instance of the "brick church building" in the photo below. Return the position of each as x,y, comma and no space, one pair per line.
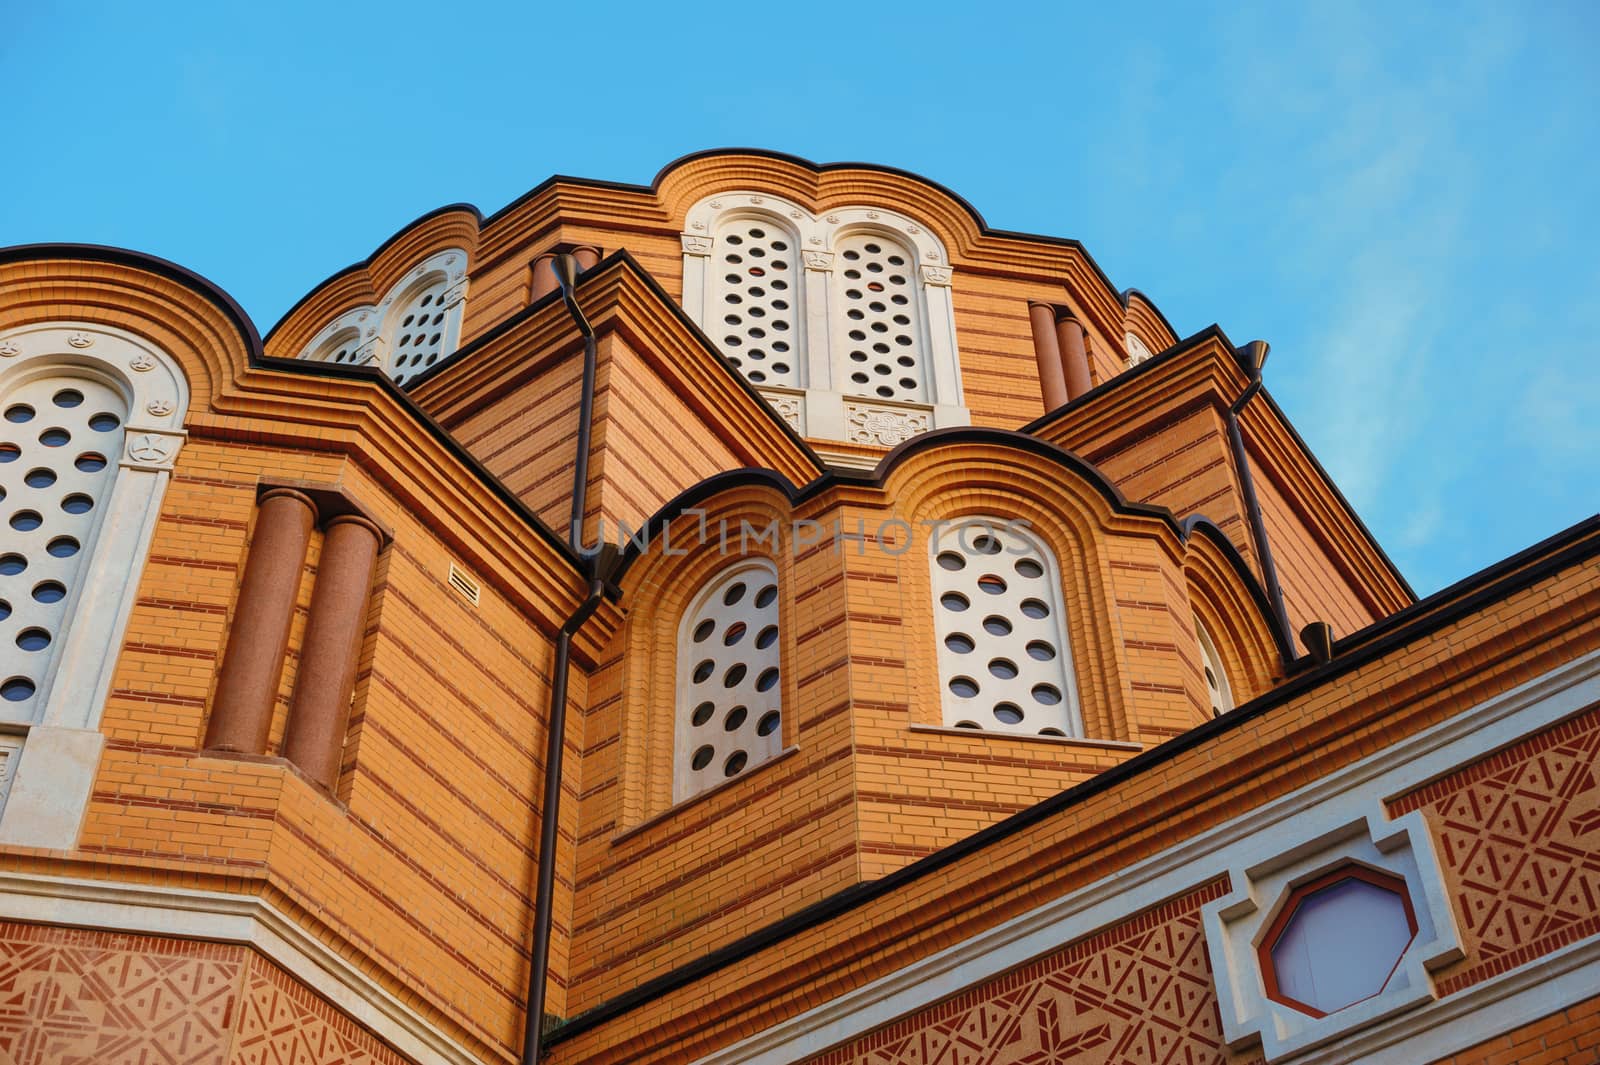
765,616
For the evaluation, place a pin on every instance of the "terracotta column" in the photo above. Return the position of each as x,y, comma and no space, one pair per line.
252,665
587,257
1052,380
1074,356
320,709
544,276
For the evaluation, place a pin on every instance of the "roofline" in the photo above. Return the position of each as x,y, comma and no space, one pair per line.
214,293
1215,331
1494,582
366,264
258,359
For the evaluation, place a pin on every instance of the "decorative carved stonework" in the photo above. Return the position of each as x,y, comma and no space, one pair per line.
455,293
936,275
884,426
159,407
819,260
694,244
140,363
151,449
9,349
80,340
788,408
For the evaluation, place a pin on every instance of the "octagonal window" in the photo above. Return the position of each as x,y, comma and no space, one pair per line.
1338,940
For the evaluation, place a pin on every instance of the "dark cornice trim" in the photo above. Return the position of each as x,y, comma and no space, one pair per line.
366,264
104,253
258,359
1573,546
623,258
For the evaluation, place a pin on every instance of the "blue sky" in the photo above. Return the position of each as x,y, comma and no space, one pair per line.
1400,198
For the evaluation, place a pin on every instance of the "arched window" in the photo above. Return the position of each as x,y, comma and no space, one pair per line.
1004,661
1137,351
755,289
729,709
842,321
1217,687
90,426
58,459
417,323
878,326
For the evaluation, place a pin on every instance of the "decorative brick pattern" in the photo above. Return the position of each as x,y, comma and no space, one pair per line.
1519,835
281,1022
1138,993
74,997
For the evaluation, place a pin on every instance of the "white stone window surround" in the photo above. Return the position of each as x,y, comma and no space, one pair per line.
1433,1030
1005,661
367,335
61,742
1137,350
1217,686
729,684
1237,924
824,406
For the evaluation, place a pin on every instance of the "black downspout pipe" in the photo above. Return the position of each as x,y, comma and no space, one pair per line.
599,564
1254,355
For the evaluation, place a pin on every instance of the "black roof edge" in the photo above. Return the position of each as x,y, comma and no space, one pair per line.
1564,549
1185,344
874,478
105,253
706,153
438,432
258,358
625,258
367,262
1340,496
1128,293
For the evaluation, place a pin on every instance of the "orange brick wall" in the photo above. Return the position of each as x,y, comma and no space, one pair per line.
426,870
1566,1037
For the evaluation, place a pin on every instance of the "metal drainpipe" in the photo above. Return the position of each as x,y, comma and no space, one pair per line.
1257,355
599,565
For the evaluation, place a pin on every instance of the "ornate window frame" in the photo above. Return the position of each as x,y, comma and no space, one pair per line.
823,408
1238,925
367,332
60,752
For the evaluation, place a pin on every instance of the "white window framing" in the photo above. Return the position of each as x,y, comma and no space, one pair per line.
417,323
82,558
1005,662
728,717
1137,350
913,386
1217,686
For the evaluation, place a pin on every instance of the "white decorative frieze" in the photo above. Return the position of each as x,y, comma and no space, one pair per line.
936,275
884,426
790,407
694,243
152,449
819,260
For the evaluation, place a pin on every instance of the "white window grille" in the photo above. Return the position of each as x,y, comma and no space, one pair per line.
756,290
59,444
90,428
1217,687
414,326
1004,661
729,712
880,319
842,321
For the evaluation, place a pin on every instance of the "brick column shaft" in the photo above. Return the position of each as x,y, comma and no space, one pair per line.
1074,355
1047,349
320,709
252,664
